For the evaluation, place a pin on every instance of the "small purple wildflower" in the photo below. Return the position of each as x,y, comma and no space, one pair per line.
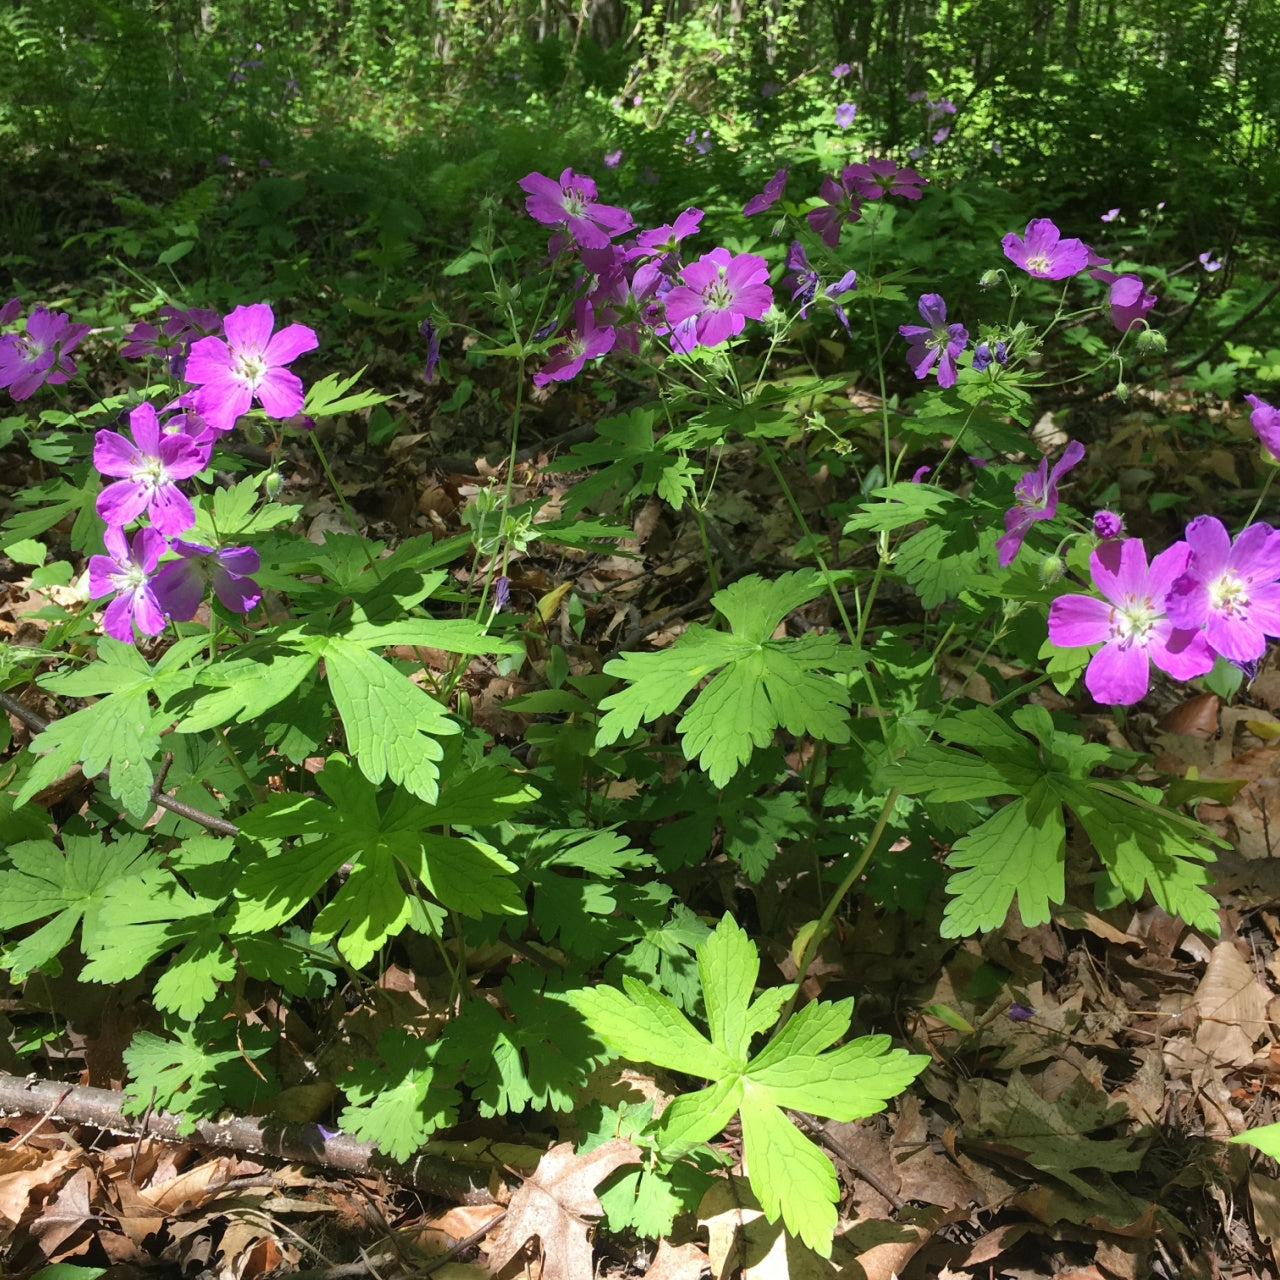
1020,1012
181,585
934,342
571,204
941,135
770,196
1230,589
919,475
147,466
1110,216
612,159
249,365
1129,300
127,571
588,340
876,179
1107,525
41,355
501,593
845,114
1043,253
841,206
719,294
840,70
432,335
1209,263
1037,499
1130,623
1265,420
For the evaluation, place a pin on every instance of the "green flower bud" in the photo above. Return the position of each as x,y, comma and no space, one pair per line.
1052,568
1122,392
988,278
272,483
1151,343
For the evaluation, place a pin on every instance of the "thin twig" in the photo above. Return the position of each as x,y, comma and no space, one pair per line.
821,1131
211,822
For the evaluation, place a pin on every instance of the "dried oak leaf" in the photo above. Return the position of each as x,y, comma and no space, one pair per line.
556,1204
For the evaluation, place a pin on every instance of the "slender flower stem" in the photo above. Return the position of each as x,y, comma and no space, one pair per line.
823,925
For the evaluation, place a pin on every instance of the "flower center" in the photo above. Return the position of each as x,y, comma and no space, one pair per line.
1039,263
1229,593
1132,621
718,296
251,365
130,579
575,203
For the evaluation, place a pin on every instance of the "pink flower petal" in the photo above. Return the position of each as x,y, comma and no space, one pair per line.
1118,674
1075,621
249,326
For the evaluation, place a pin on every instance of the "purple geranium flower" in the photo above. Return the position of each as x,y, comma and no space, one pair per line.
840,70
1129,300
1230,590
127,570
612,159
1107,525
432,335
1037,499
1110,215
772,192
1265,420
181,585
147,466
666,238
40,355
1131,623
181,327
879,178
934,342
1043,252
571,203
589,340
841,206
846,112
719,294
248,365
1209,262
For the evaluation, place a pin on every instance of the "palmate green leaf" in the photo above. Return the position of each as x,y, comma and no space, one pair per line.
68,885
1145,846
140,919
540,1056
120,732
762,684
399,1105
797,1069
329,396
899,505
645,1026
392,725
204,1068
1018,852
791,1177
388,840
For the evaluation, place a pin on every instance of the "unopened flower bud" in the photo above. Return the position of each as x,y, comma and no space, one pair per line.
988,278
1052,568
1151,343
1122,391
272,483
1107,525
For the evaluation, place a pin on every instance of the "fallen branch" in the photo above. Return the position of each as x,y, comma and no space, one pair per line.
437,1175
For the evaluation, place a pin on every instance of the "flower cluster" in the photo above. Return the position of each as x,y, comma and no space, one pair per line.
1201,598
225,376
40,355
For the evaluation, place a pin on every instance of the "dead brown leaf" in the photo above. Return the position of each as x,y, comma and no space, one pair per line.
556,1204
678,1262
